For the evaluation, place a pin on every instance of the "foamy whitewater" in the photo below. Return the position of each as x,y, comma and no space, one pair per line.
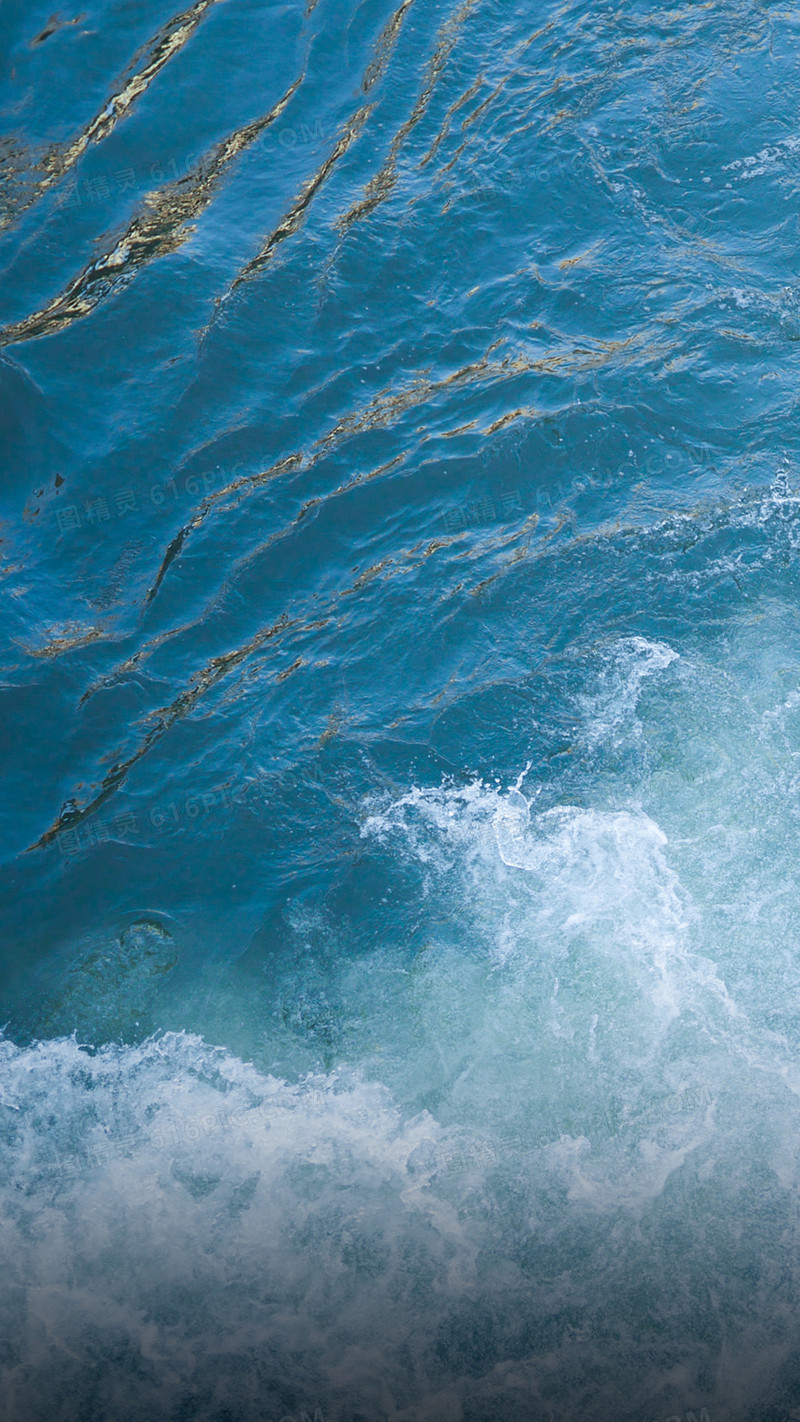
528,1153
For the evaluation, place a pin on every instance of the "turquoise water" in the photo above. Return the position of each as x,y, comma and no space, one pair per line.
400,713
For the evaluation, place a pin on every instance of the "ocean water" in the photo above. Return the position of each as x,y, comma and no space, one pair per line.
400,712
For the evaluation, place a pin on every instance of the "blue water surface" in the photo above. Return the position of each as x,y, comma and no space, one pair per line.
400,707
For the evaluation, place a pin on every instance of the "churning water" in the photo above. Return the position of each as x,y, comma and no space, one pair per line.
400,712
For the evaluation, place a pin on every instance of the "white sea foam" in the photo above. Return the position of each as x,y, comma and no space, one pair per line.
771,158
181,1231
222,1230
611,712
586,1044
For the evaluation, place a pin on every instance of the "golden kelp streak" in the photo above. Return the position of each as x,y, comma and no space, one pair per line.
289,224
169,40
161,228
201,682
379,187
387,407
386,43
384,409
292,220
